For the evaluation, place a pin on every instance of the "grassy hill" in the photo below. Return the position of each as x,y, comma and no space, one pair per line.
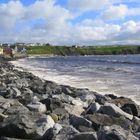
89,50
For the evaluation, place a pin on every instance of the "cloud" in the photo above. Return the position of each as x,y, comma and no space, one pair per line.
115,12
87,5
10,13
47,21
119,12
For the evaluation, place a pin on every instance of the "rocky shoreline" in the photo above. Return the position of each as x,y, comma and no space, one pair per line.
35,109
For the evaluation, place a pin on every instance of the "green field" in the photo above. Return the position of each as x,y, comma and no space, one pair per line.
90,50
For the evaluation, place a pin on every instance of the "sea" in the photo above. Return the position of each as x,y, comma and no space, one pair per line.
105,74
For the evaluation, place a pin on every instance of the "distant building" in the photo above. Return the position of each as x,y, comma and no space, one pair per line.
74,46
1,51
7,52
6,45
20,44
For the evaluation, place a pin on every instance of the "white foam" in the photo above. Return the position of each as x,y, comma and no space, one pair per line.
103,85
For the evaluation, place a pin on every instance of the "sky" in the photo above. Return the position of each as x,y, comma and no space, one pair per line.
70,22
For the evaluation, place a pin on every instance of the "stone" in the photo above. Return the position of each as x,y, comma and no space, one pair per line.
77,121
115,132
66,133
2,117
60,112
126,103
99,120
63,98
11,106
30,125
82,128
56,128
137,135
44,124
131,109
54,117
52,88
52,103
79,102
113,110
93,108
69,91
74,110
85,136
88,97
100,98
15,92
39,107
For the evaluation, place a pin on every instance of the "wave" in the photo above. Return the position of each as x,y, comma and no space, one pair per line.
117,61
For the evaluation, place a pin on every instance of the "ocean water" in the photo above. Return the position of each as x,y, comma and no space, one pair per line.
112,74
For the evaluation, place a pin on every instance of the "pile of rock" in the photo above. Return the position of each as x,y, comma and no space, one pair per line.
31,108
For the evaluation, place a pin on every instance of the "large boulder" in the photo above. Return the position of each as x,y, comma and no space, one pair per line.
74,110
52,88
30,125
11,106
99,120
77,121
113,110
66,133
38,107
52,103
93,108
115,132
127,105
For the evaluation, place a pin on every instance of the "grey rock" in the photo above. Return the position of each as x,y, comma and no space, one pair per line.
28,126
56,128
74,110
113,110
115,132
52,103
66,133
99,120
85,136
77,121
35,105
94,107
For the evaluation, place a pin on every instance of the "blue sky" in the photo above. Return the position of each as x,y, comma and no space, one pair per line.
68,22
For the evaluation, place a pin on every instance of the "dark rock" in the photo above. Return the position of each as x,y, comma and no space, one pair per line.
100,99
52,88
52,103
113,110
66,133
127,105
115,133
60,112
93,108
99,120
77,121
85,136
112,96
29,125
82,128
131,109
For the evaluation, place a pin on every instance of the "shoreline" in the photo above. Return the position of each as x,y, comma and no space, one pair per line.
80,113
41,75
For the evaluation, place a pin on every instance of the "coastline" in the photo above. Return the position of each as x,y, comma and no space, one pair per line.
80,113
97,86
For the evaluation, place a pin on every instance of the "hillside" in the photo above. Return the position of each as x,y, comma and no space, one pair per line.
90,50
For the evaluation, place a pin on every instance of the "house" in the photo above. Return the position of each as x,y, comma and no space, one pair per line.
74,46
1,51
5,45
7,52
